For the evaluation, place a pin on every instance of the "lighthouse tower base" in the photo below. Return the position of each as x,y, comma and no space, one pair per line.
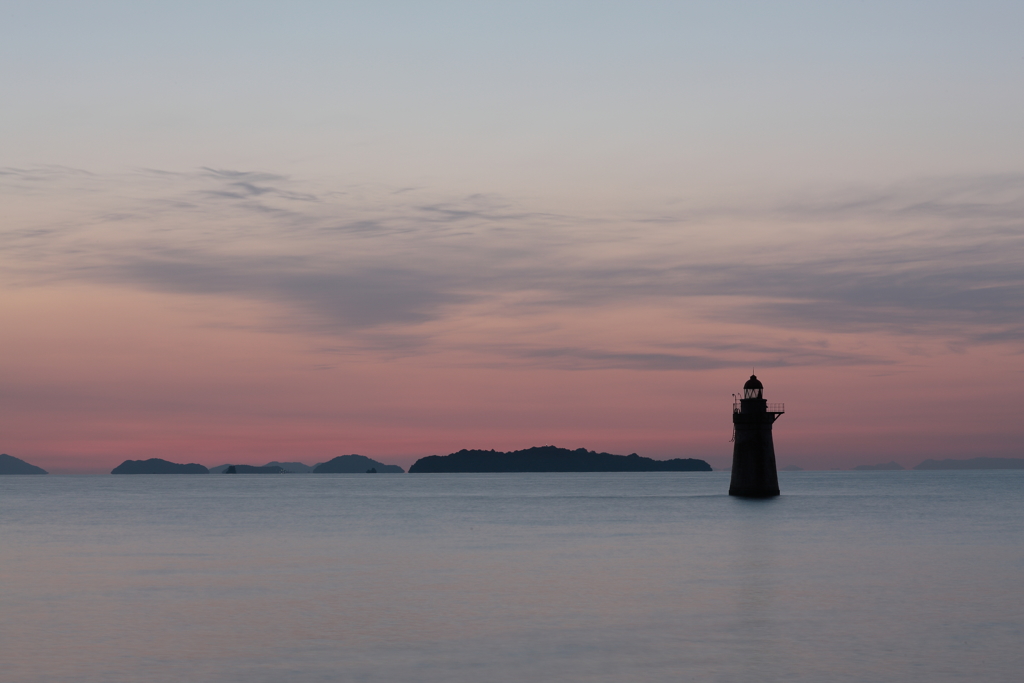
753,461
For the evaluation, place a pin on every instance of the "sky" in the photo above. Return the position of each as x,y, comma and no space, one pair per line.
237,232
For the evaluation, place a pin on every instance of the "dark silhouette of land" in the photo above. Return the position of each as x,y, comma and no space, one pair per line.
551,459
157,466
891,465
252,469
294,467
973,464
355,464
791,468
11,465
286,467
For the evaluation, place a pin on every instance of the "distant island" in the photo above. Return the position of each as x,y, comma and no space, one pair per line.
157,466
251,469
891,465
11,465
791,468
551,459
293,467
269,468
356,464
973,464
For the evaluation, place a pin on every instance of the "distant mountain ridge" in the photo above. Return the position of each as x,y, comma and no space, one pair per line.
355,464
11,465
157,466
973,464
891,465
551,459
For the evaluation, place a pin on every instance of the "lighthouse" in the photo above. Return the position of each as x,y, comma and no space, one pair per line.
753,453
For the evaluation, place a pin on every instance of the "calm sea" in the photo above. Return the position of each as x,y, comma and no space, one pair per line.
875,576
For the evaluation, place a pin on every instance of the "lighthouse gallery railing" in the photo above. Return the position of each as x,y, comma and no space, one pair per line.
772,407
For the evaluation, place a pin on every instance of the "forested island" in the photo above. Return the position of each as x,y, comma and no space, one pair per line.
551,459
157,466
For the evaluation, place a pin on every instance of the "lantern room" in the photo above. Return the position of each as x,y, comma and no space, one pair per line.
753,388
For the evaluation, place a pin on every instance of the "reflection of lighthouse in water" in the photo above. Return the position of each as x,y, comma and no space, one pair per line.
753,454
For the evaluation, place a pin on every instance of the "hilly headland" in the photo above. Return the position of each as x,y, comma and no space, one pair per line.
11,465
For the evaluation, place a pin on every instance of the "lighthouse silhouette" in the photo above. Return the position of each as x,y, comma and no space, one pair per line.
753,453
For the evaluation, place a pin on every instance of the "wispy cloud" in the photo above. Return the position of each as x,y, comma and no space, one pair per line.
575,358
934,258
349,296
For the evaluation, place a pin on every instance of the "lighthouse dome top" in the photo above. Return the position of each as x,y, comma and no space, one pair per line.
753,388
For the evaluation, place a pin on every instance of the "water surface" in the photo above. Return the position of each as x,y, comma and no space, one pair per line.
849,576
